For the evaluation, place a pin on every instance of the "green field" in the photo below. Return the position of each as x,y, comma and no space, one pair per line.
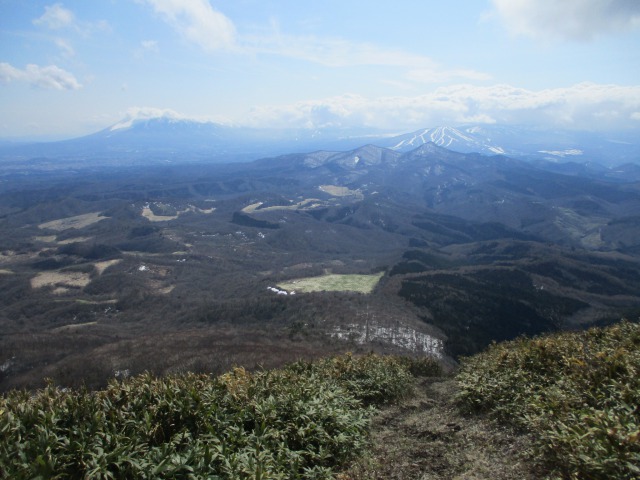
333,283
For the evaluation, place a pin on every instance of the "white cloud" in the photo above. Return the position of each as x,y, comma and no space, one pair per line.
55,17
568,19
149,45
66,48
197,22
338,52
45,77
146,113
135,114
146,47
331,52
582,106
440,75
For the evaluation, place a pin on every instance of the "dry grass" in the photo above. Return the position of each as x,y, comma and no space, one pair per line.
167,290
74,326
78,221
45,238
333,283
152,217
60,279
251,208
337,191
54,239
102,266
111,301
306,204
5,271
74,240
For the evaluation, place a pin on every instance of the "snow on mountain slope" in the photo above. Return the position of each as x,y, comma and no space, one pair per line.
465,141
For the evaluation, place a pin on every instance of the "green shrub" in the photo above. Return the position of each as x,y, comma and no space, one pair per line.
373,379
578,393
303,421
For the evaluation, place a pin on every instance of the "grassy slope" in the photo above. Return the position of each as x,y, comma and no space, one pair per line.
577,393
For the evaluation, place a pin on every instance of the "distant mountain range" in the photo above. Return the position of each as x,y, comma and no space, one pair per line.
474,248
169,139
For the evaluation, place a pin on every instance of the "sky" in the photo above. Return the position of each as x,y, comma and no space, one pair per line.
74,67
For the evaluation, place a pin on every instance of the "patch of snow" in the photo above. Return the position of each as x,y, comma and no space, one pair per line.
143,268
400,336
278,291
562,153
7,365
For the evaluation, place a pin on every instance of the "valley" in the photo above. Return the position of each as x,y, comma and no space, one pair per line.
194,267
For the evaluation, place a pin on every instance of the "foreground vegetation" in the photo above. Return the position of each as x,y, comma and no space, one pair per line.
303,421
577,393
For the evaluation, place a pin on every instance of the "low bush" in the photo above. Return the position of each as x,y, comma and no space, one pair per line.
372,379
302,421
578,393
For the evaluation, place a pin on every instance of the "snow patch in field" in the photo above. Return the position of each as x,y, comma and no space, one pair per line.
279,291
563,153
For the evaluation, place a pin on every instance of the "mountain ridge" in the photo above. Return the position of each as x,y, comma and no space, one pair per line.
151,137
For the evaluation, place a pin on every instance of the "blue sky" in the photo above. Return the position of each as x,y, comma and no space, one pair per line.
74,67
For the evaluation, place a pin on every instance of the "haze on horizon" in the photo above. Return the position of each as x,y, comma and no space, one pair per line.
72,67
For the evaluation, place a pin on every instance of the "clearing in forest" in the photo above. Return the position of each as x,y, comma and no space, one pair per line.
306,204
78,221
168,212
333,283
338,191
64,279
102,266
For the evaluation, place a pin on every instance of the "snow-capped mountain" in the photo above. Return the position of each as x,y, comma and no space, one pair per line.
611,148
152,135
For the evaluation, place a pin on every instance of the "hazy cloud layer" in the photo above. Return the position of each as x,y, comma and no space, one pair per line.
197,22
65,47
57,17
568,19
134,114
145,113
200,24
582,106
45,77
